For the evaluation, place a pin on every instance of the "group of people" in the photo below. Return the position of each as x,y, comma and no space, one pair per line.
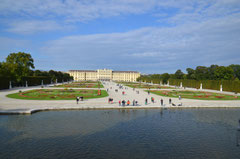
123,103
134,102
79,98
110,100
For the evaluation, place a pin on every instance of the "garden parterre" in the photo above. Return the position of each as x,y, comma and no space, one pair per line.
84,84
57,94
195,95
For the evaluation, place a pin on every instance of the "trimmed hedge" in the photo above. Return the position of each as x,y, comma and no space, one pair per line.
4,82
34,81
230,86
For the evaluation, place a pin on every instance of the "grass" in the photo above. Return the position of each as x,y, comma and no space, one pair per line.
84,84
196,95
138,85
57,94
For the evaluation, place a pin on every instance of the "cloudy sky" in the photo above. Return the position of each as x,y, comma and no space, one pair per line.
150,36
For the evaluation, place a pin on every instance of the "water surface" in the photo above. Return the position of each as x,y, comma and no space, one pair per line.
153,133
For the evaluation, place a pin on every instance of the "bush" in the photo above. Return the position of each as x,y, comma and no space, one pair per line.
34,81
4,82
230,86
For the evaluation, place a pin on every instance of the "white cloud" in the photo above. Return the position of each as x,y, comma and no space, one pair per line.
35,26
183,46
200,32
75,10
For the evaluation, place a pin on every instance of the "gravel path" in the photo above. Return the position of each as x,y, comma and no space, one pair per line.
19,106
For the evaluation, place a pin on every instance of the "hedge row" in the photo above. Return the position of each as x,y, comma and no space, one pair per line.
230,86
31,81
34,81
4,82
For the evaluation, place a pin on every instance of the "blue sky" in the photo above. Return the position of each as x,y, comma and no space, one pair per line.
150,36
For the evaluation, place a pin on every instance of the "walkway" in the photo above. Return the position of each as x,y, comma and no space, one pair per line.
19,106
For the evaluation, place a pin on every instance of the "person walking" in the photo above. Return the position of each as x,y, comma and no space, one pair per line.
161,102
179,97
77,99
148,92
134,102
123,102
146,101
128,103
170,101
119,102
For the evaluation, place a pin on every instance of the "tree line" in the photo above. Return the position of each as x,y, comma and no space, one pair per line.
214,72
19,68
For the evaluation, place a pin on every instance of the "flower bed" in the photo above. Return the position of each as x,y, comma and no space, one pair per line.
196,95
57,94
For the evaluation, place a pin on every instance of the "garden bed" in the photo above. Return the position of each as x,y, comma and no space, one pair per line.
57,94
196,95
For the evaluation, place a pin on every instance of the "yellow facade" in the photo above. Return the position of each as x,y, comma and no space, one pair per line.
104,74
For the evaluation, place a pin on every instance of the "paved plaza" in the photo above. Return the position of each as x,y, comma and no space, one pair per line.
20,106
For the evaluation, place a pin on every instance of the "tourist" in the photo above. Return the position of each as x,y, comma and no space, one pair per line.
152,99
77,99
136,102
133,102
128,103
179,97
148,92
146,101
119,102
161,102
170,101
123,103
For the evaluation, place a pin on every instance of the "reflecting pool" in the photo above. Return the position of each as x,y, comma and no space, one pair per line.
122,134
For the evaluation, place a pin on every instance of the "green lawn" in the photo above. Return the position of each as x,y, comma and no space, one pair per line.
57,94
195,95
138,85
85,84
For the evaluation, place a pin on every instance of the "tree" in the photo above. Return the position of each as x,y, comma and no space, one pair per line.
224,73
165,77
201,73
179,74
211,71
190,73
19,64
236,70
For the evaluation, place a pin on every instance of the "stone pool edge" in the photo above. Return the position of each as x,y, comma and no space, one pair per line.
32,111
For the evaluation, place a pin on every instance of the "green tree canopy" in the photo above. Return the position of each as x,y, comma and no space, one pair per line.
19,64
236,70
224,73
190,73
179,74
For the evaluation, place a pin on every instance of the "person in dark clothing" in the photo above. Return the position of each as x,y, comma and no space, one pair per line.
170,101
161,102
146,101
77,99
123,103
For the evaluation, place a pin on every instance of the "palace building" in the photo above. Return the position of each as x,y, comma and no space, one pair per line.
104,75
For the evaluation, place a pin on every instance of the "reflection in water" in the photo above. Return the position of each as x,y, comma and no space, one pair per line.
123,133
68,123
238,134
227,116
